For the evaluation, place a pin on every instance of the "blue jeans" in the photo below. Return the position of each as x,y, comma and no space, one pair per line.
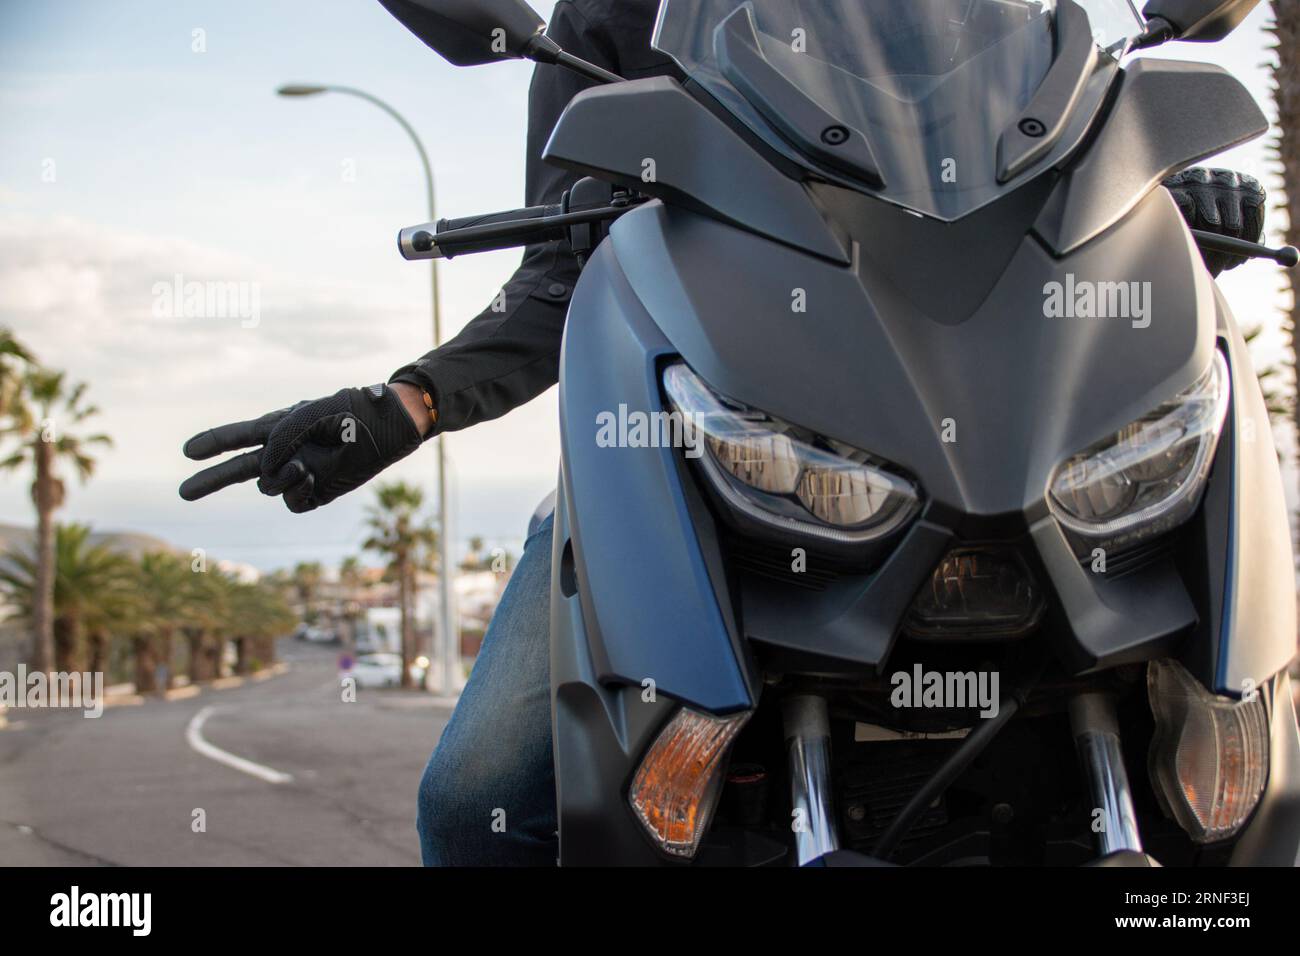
487,797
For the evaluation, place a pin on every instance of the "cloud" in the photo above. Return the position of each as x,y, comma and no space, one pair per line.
93,301
77,286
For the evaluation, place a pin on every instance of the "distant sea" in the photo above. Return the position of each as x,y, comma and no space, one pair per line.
241,525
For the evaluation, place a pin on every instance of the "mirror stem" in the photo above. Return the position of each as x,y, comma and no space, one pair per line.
589,70
1158,31
543,49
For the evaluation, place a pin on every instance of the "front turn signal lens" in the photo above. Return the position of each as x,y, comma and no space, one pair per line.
676,787
1209,755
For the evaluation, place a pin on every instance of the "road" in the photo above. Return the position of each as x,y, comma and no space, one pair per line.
124,789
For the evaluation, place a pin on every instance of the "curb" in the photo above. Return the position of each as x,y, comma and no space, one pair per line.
416,703
123,700
124,695
275,670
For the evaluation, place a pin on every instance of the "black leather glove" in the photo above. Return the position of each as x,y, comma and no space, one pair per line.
311,453
1223,202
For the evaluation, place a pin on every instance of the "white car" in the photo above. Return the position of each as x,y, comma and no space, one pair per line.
383,670
320,635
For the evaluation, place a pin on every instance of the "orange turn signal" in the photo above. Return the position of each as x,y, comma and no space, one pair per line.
676,787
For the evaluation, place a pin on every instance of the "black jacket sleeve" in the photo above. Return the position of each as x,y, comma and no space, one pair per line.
510,354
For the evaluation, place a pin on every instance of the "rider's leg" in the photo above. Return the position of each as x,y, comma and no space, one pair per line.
488,793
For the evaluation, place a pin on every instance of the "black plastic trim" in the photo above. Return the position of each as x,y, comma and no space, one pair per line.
1056,99
1167,114
611,132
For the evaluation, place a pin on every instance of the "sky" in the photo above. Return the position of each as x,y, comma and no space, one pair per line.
141,140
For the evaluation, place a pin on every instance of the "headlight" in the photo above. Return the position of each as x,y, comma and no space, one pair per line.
982,591
1209,755
1148,478
786,477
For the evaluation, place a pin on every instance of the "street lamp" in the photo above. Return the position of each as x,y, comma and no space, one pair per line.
450,651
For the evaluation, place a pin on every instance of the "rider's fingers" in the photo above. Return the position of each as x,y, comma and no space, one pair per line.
301,498
1230,215
224,438
292,473
232,472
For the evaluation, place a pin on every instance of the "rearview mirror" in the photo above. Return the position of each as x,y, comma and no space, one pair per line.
471,32
1200,21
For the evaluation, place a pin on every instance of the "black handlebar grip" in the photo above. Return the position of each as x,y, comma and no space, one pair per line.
512,215
506,234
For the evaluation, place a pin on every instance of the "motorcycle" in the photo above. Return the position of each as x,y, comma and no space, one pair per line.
918,503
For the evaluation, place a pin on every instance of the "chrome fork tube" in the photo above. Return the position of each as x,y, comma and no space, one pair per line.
808,747
1096,737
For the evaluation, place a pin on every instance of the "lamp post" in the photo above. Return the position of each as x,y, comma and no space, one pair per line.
450,652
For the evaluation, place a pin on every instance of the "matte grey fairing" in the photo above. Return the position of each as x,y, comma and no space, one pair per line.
882,330
637,552
866,364
873,364
1256,633
911,326
599,730
870,364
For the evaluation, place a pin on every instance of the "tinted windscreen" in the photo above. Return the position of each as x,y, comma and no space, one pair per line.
931,84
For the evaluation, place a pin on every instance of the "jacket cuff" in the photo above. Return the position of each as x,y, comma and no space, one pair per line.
417,377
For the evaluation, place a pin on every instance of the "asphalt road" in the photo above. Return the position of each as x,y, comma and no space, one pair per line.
123,789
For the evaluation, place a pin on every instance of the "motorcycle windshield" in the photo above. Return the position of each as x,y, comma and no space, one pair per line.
930,84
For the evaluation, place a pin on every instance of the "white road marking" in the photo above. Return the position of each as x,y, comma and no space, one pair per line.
194,737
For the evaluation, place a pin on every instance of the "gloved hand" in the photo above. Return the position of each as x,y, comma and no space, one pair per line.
1223,202
311,453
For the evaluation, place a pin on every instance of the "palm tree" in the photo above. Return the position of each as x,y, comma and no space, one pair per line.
51,407
13,355
351,573
480,559
162,582
1286,146
205,622
114,613
474,560
89,595
281,581
307,577
400,533
351,582
257,615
